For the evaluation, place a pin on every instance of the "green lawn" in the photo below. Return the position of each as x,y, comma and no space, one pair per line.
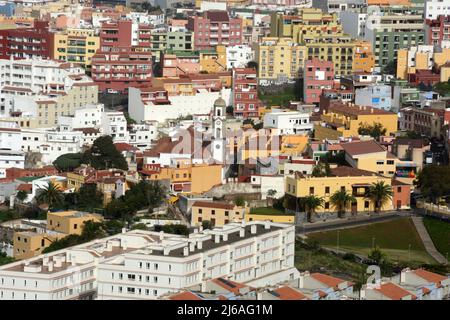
267,210
281,99
393,237
439,232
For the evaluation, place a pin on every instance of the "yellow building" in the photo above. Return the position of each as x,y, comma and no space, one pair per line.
445,72
344,120
420,58
76,45
28,244
352,180
213,61
364,59
308,21
218,213
69,222
279,58
370,156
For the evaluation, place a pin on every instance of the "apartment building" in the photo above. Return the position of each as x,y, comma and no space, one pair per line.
76,45
279,60
363,60
178,63
427,121
308,22
218,213
376,95
437,30
69,222
146,265
390,29
413,60
245,93
126,34
354,181
344,120
180,40
213,61
28,42
317,76
119,68
436,8
288,122
35,92
238,56
339,6
254,253
10,154
215,27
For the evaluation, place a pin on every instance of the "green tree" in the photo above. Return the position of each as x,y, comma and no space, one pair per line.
252,64
104,155
379,193
173,229
433,181
322,169
377,255
239,201
341,200
206,224
311,204
4,259
139,226
68,241
50,195
155,193
93,230
68,161
375,131
21,195
113,226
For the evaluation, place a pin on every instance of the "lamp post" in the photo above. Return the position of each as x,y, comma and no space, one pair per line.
373,242
337,244
409,253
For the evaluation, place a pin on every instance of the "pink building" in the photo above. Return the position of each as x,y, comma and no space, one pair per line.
318,75
214,28
175,65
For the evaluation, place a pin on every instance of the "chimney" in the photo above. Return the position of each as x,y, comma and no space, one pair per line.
50,266
109,246
371,110
200,229
166,251
186,251
200,244
124,230
57,261
242,232
217,238
266,224
253,229
403,275
301,281
225,237
192,246
45,261
362,293
124,244
161,235
203,286
195,230
73,260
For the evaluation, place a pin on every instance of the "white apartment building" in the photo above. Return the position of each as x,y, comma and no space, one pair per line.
51,143
238,56
145,265
354,23
88,116
338,6
39,91
142,109
10,154
115,124
288,122
256,253
435,8
141,136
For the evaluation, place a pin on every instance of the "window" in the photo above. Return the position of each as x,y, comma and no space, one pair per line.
327,205
327,190
390,162
311,190
380,162
156,266
399,189
75,226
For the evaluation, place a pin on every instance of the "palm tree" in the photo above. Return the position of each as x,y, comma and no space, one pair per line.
379,193
49,195
311,203
341,199
21,195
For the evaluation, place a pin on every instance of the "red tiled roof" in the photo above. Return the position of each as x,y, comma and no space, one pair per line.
393,291
121,146
230,285
330,281
288,293
185,296
25,187
429,276
344,171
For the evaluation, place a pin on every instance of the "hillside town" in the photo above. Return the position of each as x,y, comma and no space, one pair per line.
224,150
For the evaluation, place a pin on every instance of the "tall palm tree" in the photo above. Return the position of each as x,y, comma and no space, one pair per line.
341,199
50,195
379,193
311,203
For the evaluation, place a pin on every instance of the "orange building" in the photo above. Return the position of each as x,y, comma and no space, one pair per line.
364,60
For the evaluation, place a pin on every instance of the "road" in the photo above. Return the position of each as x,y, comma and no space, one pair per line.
348,223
